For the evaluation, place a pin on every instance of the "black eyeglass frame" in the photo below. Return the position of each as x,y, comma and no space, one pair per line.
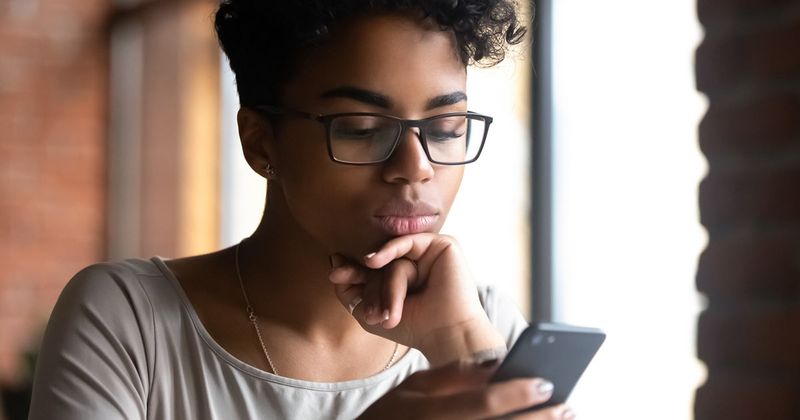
404,125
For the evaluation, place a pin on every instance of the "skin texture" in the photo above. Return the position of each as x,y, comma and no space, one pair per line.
319,212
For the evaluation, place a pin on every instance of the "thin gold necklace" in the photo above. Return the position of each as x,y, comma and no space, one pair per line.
251,315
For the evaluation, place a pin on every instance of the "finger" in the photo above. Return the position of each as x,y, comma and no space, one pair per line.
409,246
457,376
561,412
395,288
344,271
347,274
496,399
348,281
350,296
374,310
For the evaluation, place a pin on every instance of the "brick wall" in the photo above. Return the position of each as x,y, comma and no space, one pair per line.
52,151
749,337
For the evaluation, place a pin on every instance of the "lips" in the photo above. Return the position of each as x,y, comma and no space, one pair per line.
404,218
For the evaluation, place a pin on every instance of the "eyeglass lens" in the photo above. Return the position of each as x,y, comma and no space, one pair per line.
367,139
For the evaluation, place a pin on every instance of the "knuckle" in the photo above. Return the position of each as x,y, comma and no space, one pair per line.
448,238
448,242
491,402
526,394
408,266
396,266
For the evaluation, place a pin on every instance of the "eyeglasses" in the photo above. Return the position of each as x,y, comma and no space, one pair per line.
361,138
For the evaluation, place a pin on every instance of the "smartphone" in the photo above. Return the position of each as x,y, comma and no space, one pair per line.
556,352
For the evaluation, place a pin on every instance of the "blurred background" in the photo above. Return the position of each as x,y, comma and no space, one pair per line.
615,188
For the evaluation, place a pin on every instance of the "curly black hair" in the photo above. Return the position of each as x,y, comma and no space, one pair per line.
263,38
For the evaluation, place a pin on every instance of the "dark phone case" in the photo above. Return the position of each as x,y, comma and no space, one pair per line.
561,360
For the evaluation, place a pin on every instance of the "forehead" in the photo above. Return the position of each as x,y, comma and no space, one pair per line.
401,56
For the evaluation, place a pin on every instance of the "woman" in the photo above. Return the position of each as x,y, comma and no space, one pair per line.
345,301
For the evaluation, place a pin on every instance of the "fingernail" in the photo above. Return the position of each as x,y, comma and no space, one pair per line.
544,388
568,414
369,315
352,306
385,315
370,255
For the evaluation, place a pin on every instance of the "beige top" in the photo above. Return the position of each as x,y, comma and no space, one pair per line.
124,342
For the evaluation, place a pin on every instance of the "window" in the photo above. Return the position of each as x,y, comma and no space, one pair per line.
163,130
625,226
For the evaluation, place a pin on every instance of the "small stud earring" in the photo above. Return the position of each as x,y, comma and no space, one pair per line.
270,171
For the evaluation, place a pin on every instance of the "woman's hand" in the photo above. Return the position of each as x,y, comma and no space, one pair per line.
460,390
416,290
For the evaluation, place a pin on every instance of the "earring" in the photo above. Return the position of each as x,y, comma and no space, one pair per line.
270,171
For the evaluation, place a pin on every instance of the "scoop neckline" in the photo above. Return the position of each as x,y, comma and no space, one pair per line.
237,363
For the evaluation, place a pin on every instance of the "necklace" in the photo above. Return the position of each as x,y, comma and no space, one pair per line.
251,315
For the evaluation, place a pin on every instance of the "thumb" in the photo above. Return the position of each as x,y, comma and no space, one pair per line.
348,281
349,296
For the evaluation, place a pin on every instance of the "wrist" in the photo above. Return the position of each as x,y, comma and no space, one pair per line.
474,339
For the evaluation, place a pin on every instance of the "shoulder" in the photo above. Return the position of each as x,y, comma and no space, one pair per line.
98,353
110,284
503,312
116,295
110,275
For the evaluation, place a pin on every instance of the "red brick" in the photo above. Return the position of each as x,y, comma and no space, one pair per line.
769,56
764,266
750,335
749,198
749,67
710,11
745,395
766,126
52,176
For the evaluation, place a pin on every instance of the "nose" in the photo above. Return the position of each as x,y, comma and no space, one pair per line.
409,163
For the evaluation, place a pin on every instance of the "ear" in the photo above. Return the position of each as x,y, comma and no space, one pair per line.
256,135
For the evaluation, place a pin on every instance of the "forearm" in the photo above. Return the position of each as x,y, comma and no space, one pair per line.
475,338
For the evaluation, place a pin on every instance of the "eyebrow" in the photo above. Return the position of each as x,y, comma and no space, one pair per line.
445,100
362,95
382,101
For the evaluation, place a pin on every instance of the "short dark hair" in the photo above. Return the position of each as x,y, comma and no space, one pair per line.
262,38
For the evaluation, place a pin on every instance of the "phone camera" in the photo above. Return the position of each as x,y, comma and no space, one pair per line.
536,339
551,339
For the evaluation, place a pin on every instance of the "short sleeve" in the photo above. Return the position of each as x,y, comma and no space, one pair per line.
93,362
503,312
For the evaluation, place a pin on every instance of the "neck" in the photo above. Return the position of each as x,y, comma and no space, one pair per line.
285,274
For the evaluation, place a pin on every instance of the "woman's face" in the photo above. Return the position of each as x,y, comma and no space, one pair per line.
394,65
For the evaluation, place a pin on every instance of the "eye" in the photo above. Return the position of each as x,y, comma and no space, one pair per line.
446,129
441,136
360,128
354,132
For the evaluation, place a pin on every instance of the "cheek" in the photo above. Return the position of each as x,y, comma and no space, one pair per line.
329,202
449,182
